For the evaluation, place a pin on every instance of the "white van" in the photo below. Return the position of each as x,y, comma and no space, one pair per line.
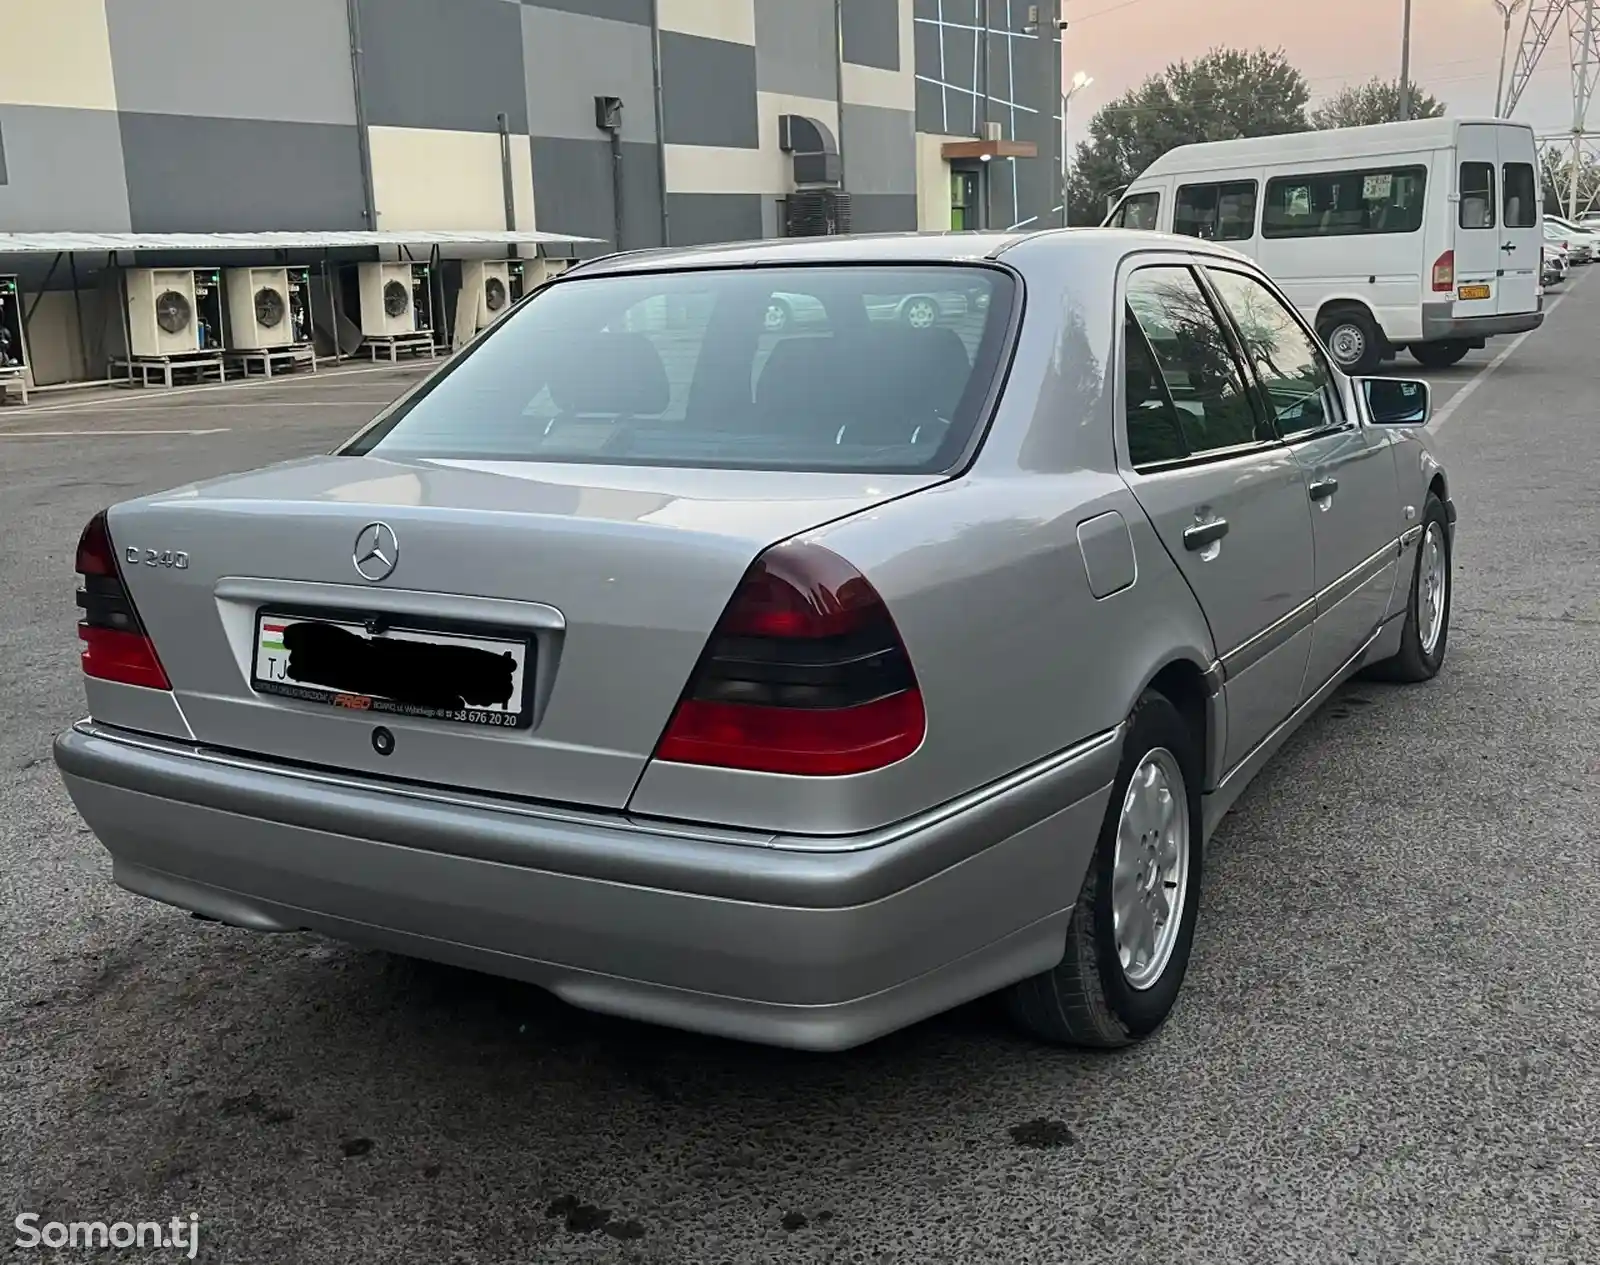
1425,235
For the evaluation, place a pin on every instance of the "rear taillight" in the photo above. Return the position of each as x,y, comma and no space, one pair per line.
115,646
1444,272
805,674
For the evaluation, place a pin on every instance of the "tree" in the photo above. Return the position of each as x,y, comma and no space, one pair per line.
1376,101
1225,94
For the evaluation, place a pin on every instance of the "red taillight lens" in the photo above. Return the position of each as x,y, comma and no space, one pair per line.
1444,272
805,674
115,646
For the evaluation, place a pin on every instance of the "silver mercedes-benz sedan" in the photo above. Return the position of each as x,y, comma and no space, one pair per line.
790,685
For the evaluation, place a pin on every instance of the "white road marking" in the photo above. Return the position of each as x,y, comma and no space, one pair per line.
157,407
79,434
1461,396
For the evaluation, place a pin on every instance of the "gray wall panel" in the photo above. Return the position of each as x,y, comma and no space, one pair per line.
797,48
698,218
287,60
3,179
446,64
572,192
636,11
63,171
709,91
883,212
571,59
872,33
239,175
880,153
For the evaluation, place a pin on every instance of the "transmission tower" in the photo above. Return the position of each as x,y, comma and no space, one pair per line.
1542,27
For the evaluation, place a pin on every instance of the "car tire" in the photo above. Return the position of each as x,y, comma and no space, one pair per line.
920,311
779,316
1353,339
1439,355
1092,997
1426,635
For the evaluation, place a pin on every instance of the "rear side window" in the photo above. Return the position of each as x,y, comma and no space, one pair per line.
1216,212
1521,189
1345,203
1194,360
1140,211
875,368
1477,195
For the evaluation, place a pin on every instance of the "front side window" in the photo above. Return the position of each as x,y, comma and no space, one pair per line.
1138,211
1345,203
867,368
1287,361
1216,212
1521,189
1477,195
1194,360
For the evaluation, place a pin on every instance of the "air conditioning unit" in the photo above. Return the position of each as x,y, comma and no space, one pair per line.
817,213
488,289
13,351
173,311
259,308
395,299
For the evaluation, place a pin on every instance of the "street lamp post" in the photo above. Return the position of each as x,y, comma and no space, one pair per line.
1405,65
1508,10
1080,81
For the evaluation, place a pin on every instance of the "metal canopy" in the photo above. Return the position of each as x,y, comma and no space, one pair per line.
59,243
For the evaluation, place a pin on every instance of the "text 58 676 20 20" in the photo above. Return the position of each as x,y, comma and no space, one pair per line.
178,1233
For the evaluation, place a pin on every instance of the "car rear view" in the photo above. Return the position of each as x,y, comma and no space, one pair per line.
407,694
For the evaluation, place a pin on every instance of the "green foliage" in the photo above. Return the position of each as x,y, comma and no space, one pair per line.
1376,101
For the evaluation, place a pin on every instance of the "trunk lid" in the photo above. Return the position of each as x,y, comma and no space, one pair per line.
615,576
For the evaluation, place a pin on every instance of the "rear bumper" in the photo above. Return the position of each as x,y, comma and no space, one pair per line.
1438,325
813,942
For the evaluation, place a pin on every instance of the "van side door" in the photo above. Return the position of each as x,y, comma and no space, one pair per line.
1479,259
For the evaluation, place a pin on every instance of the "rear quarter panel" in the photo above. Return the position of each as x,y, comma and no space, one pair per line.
1016,657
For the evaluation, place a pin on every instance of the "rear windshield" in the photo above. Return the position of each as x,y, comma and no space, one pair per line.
875,368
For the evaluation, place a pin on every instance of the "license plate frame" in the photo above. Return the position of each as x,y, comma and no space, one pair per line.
516,714
1474,293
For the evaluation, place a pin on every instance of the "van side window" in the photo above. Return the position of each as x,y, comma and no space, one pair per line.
1521,190
1288,363
1195,360
1140,211
1345,203
1216,212
1477,195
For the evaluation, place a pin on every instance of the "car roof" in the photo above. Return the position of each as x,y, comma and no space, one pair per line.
893,248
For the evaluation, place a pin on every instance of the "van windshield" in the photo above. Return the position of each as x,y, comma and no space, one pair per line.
864,368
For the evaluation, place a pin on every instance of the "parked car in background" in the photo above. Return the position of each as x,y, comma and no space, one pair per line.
716,679
1580,246
1421,235
1555,265
919,311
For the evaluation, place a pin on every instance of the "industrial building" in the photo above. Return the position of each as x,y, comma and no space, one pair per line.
632,122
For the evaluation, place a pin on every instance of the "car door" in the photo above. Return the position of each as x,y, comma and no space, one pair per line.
1223,492
1521,204
1351,485
1477,230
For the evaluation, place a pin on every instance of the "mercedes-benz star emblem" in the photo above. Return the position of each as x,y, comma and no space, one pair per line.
376,552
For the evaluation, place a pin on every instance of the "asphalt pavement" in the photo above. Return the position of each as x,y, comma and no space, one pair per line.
1386,1050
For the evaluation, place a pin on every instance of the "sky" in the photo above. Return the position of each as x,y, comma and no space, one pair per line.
1455,48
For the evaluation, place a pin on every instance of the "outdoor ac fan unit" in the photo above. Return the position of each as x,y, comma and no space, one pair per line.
161,312
389,294
258,308
488,288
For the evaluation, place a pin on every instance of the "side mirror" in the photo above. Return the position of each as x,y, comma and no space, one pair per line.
1397,401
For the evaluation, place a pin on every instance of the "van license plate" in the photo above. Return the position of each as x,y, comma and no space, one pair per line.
429,674
1474,292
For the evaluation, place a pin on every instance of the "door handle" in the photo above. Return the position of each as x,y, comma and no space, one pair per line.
1202,535
1322,489
1509,247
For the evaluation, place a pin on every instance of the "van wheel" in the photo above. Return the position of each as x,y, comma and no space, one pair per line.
1353,340
1133,926
1440,355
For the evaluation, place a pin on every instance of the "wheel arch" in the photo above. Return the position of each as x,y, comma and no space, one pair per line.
1336,303
1195,690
